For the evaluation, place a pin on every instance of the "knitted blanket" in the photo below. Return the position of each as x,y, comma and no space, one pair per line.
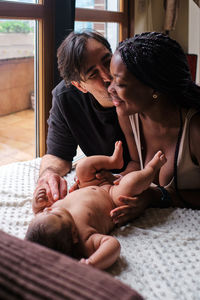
160,251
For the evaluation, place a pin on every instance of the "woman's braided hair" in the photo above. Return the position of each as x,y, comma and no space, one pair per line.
160,62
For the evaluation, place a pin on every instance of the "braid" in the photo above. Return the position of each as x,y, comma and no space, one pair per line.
159,62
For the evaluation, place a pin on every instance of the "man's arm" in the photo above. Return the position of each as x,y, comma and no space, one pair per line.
105,248
50,179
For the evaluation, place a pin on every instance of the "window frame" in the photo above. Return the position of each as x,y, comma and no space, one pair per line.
43,13
122,17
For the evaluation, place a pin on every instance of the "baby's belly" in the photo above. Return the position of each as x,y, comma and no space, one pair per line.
94,204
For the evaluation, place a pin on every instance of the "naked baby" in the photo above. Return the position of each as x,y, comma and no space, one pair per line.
79,224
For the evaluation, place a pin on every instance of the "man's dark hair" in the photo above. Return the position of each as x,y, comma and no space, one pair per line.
72,55
47,235
159,62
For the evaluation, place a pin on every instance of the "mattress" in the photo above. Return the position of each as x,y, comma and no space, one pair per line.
160,251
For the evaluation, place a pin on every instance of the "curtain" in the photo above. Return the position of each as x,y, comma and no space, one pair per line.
197,2
64,24
171,14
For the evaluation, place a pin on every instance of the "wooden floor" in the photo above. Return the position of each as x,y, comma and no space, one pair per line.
17,137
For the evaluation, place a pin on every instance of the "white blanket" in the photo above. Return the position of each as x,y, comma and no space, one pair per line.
160,251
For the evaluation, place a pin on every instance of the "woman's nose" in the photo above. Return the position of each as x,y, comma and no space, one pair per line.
111,87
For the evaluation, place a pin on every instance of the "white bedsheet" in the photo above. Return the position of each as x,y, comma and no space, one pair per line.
160,251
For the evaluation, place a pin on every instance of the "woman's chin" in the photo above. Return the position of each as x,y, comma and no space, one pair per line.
121,110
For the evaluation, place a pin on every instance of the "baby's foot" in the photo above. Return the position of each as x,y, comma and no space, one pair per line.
118,155
157,161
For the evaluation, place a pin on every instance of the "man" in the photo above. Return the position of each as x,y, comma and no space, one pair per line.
82,113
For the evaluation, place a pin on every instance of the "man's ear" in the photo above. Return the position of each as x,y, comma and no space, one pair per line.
79,86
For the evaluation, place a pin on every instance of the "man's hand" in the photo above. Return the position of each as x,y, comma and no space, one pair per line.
131,208
55,188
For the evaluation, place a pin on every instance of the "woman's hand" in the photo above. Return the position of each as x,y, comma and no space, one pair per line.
131,208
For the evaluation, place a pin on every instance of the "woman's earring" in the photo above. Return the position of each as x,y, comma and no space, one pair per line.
155,96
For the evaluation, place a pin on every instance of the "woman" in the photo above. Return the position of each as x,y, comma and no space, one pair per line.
158,106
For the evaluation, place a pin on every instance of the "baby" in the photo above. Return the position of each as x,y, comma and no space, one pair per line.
79,224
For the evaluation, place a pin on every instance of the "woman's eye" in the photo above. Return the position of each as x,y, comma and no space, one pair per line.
120,85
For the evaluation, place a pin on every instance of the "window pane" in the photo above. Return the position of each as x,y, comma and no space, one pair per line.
99,4
109,30
17,101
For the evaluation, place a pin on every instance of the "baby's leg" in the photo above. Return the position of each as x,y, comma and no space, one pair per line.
136,182
88,167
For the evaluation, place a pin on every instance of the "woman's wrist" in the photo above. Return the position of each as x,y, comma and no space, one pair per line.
160,197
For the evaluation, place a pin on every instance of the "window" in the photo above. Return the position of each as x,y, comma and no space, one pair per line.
26,62
110,17
113,5
17,117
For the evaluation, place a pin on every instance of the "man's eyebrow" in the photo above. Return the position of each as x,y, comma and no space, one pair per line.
107,55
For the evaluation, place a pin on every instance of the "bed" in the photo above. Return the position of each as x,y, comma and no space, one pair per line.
160,251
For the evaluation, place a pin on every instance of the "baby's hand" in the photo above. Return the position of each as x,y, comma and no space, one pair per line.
40,200
75,186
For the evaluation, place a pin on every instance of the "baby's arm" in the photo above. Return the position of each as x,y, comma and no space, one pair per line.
103,250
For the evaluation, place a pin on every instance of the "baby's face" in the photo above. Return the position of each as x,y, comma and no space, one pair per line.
55,217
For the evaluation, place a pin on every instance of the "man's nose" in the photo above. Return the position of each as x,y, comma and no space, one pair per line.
105,74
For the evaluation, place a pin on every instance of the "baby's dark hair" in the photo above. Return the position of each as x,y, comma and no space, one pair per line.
159,62
72,55
47,235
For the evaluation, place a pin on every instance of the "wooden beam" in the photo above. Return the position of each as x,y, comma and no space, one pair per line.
90,15
21,10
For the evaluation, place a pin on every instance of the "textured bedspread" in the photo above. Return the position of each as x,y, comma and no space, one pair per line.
160,251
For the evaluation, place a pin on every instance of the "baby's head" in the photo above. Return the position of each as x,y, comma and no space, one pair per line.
55,229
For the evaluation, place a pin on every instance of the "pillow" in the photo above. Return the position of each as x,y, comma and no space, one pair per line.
31,271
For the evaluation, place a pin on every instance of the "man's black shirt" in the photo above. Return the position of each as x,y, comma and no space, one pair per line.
77,118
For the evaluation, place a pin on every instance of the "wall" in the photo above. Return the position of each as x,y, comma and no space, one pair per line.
16,45
194,33
16,84
149,16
